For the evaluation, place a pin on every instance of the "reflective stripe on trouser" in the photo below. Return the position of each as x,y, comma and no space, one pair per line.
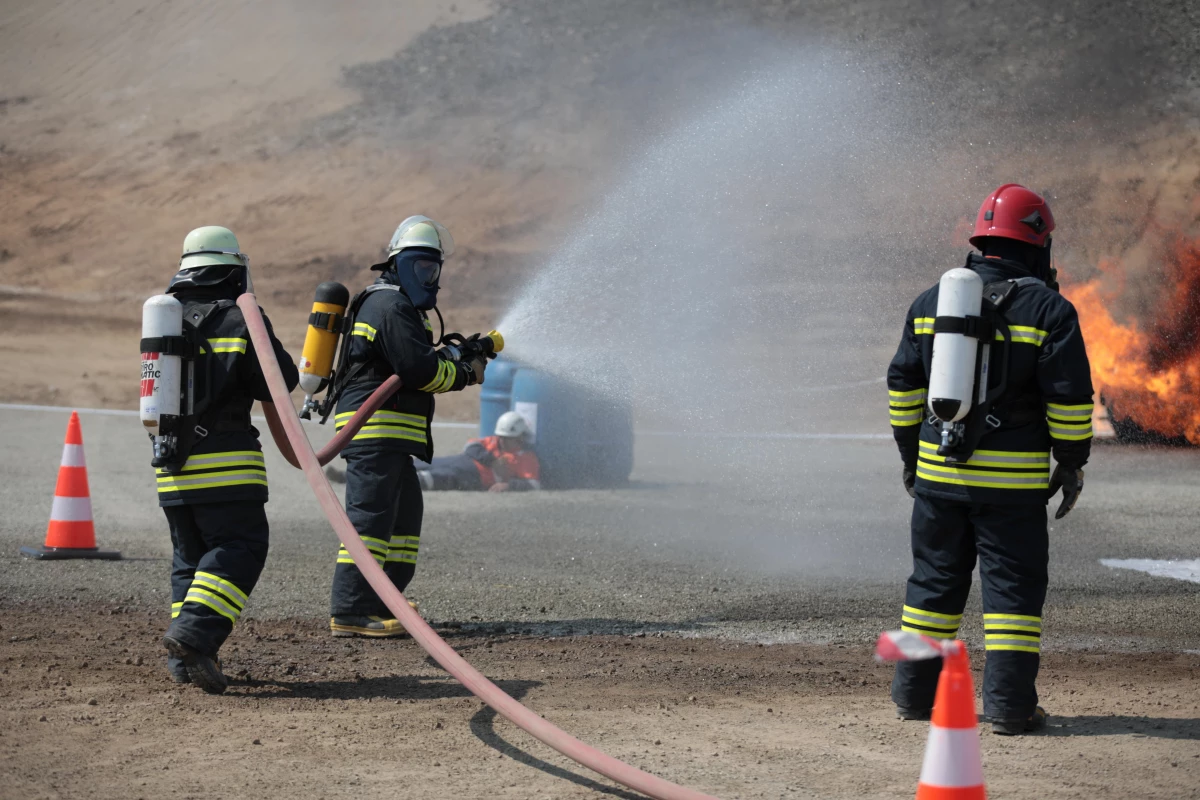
1018,632
219,552
930,623
992,469
384,503
1011,545
212,471
387,425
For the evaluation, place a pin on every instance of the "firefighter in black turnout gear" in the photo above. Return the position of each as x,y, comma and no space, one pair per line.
992,506
391,335
214,490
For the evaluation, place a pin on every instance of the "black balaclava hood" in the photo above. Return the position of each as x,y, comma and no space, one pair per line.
218,280
1033,258
409,269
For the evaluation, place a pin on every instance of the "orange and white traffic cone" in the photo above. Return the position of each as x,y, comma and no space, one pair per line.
71,533
953,768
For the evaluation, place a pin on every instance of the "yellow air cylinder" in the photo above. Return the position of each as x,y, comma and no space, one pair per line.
320,343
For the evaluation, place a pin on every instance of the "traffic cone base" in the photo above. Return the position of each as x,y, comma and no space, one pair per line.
71,533
44,553
953,765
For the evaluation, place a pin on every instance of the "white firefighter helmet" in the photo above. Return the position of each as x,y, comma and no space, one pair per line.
420,231
512,424
210,245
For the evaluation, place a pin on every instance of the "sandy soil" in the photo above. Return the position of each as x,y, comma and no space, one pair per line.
312,129
87,708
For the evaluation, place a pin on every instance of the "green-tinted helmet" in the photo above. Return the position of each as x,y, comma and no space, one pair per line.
211,245
421,231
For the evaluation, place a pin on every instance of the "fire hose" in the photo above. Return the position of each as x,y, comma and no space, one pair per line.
450,660
335,445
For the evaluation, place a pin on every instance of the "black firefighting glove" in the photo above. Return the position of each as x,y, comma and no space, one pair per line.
1070,480
909,477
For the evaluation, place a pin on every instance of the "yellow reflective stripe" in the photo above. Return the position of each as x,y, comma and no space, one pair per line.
1019,648
364,330
220,584
374,544
170,483
933,615
402,557
383,415
1022,617
215,602
933,634
923,325
1024,334
906,424
915,403
1070,432
910,417
387,432
912,393
1070,413
175,608
930,446
227,345
443,381
982,478
232,458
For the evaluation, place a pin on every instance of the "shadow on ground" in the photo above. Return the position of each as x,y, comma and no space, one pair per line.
1122,725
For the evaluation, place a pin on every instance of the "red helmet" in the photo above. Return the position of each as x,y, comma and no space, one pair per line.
1014,212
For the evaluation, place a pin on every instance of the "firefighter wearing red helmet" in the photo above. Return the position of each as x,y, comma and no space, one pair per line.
981,486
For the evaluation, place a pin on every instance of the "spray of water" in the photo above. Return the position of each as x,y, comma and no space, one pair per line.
720,284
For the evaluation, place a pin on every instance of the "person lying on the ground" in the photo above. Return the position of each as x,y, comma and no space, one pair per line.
499,463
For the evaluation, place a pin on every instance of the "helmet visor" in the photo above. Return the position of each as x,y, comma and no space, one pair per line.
427,271
245,259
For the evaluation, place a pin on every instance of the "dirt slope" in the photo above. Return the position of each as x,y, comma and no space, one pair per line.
311,129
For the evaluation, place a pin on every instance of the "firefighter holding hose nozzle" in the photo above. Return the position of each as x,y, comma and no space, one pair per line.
200,376
389,333
990,378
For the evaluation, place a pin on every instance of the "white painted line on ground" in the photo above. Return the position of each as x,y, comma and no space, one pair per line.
123,412
1179,570
772,435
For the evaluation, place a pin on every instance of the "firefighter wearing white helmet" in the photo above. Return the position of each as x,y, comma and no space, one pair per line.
503,462
390,334
212,483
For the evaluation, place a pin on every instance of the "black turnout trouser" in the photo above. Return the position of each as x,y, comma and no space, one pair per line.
457,472
1012,544
220,550
384,503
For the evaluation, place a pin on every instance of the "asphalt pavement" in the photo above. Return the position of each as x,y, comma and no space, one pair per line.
768,540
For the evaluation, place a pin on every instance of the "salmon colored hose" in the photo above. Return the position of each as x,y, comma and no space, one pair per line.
330,451
445,655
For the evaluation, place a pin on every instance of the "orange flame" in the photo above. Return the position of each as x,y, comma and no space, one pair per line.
1147,371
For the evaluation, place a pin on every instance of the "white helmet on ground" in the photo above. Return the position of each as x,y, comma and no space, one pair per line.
512,424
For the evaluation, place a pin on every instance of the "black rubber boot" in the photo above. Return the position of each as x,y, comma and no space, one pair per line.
919,714
178,670
205,672
1018,727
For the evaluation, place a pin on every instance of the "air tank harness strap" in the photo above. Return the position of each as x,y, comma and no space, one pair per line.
324,321
975,327
180,346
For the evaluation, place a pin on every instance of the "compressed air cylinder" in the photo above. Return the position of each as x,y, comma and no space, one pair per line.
952,373
320,343
162,315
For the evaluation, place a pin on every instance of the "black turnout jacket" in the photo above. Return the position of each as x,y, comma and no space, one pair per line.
1046,408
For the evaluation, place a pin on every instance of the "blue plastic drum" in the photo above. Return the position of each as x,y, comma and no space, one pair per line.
495,396
583,439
